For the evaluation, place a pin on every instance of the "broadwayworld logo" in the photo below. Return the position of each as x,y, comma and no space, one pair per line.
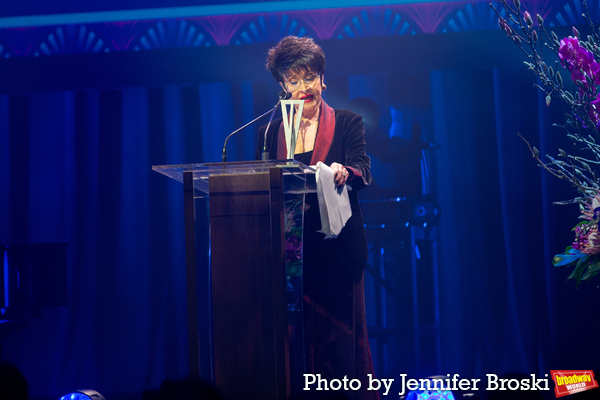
569,382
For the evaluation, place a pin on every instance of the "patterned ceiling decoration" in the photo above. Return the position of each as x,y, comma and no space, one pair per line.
267,27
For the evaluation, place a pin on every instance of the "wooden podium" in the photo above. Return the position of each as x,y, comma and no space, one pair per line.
249,331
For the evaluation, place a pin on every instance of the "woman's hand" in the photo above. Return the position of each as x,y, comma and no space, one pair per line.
340,174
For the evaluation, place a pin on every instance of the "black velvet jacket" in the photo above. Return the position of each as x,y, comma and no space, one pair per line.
347,147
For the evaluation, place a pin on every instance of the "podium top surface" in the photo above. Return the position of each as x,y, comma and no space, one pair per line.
201,172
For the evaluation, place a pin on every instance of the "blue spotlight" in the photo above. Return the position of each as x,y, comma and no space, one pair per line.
431,388
84,394
430,395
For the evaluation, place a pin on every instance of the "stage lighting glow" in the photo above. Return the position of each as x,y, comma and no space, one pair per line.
84,394
431,389
430,395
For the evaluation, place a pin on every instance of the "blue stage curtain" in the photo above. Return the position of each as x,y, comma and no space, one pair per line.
4,162
76,169
505,308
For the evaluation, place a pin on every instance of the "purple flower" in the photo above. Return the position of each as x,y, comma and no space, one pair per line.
293,249
505,27
569,49
528,19
578,60
586,239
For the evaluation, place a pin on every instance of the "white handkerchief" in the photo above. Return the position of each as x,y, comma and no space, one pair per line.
334,205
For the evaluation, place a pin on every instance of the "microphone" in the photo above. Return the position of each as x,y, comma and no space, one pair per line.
283,95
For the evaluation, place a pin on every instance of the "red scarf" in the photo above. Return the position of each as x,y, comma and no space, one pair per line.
324,138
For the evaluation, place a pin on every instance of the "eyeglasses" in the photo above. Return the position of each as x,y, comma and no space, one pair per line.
294,84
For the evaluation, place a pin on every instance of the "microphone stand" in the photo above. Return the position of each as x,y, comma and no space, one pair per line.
282,96
264,156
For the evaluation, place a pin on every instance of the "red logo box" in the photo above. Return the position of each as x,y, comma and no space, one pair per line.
567,382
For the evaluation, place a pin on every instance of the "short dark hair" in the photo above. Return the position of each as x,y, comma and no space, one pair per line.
294,53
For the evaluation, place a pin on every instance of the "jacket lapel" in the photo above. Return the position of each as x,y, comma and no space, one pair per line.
325,134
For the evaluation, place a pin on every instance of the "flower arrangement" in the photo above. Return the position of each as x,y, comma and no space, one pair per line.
578,56
293,206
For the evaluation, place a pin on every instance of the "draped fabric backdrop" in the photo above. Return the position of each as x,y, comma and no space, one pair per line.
505,307
75,167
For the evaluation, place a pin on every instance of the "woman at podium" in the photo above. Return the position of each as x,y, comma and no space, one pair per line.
336,343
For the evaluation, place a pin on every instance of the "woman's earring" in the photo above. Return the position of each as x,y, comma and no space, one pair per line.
324,86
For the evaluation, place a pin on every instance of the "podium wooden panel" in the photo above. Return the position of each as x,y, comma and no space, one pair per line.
248,333
248,285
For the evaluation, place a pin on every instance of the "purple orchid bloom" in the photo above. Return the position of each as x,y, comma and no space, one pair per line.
293,249
578,60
